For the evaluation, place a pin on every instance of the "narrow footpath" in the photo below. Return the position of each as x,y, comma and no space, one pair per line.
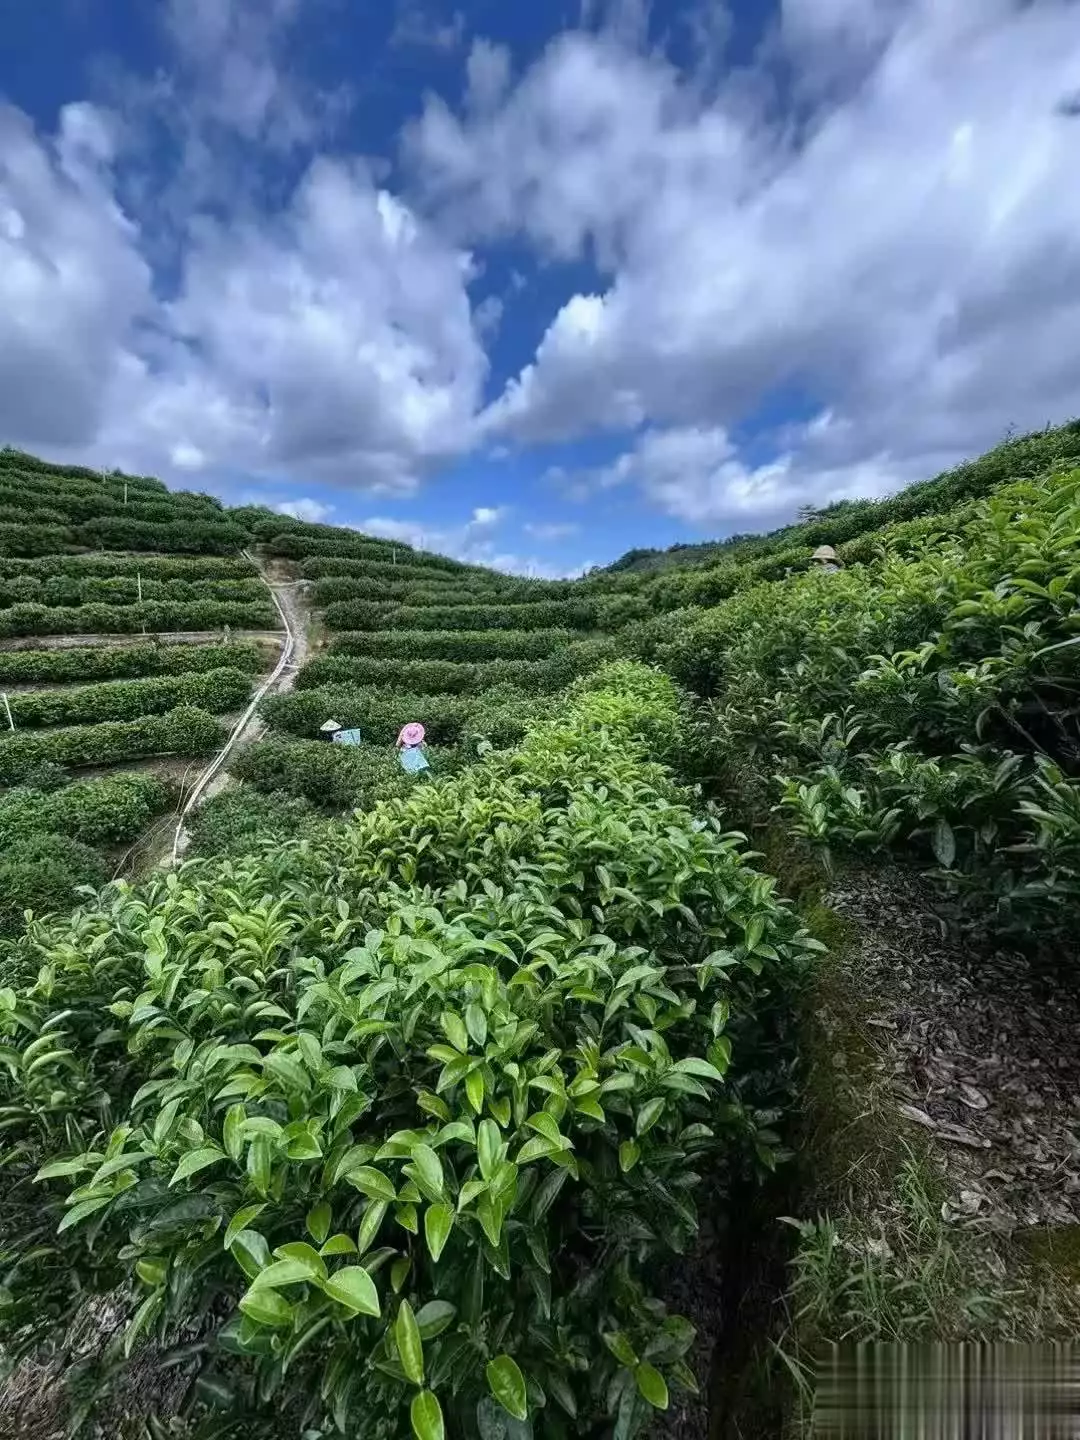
290,598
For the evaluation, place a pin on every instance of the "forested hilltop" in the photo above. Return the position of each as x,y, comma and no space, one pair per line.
559,1075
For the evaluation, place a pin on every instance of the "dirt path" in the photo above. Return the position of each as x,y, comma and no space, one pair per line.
292,599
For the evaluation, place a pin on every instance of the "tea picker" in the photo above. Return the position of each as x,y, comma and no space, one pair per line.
826,558
410,748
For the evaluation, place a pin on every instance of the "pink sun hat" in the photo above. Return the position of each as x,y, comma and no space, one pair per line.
411,734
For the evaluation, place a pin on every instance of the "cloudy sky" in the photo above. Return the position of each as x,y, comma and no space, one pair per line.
538,282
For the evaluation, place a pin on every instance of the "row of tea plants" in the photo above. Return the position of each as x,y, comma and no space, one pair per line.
925,699
400,1119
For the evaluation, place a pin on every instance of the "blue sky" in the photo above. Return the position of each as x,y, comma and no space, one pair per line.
537,283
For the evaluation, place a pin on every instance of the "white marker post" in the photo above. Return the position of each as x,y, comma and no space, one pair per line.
7,711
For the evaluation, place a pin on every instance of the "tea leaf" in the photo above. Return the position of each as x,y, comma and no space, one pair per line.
425,1416
354,1288
409,1344
507,1384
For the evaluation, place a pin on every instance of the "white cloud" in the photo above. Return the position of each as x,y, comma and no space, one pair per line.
72,282
472,541
229,69
488,315
457,540
485,516
695,474
572,154
418,25
304,508
881,217
331,336
905,249
335,337
552,530
487,75
830,41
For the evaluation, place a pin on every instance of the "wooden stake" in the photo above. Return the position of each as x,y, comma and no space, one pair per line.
7,708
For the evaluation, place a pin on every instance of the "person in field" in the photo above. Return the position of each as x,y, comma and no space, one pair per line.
825,558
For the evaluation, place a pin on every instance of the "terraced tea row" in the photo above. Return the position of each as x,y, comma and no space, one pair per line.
472,658
24,667
77,559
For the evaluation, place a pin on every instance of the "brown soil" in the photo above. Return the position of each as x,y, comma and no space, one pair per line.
981,1050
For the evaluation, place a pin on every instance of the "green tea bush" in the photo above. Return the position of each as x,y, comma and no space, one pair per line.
242,818
183,731
158,616
41,872
205,537
546,615
357,547
75,508
434,677
319,567
454,644
23,514
324,566
928,699
908,538
47,777
56,590
109,811
501,715
217,691
262,523
334,777
406,1117
28,667
153,567
61,476
21,539
489,589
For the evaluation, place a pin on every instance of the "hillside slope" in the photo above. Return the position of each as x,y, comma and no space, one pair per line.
422,1099
842,521
117,598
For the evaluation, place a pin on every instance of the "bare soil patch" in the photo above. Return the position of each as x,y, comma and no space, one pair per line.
981,1050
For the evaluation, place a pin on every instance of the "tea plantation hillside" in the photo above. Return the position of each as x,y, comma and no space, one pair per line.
834,524
923,701
105,714
452,1084
409,637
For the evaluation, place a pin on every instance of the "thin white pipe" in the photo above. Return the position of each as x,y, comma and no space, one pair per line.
241,725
